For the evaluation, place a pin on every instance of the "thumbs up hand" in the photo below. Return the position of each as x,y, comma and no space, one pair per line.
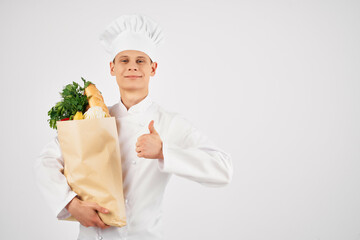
150,145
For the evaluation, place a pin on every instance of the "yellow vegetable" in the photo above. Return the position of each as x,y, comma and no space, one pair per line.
78,116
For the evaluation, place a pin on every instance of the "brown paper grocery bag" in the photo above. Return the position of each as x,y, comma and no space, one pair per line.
92,164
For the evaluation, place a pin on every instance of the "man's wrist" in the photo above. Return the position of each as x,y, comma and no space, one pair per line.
71,202
161,152
161,156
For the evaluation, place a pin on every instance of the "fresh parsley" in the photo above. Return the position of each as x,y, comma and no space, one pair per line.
73,100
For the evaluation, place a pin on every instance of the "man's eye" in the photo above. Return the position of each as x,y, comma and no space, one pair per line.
127,60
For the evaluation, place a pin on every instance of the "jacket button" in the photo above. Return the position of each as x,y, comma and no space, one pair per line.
100,237
126,201
134,162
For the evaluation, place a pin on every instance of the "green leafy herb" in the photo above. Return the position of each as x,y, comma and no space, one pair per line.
73,100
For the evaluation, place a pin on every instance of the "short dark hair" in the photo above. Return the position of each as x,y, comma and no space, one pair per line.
151,61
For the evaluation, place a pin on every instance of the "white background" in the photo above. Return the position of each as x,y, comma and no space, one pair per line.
274,83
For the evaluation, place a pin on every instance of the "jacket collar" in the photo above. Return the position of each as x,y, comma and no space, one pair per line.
138,108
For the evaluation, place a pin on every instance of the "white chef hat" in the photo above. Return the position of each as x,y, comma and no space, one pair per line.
132,32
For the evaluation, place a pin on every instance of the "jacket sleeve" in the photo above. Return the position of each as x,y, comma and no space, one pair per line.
190,154
49,178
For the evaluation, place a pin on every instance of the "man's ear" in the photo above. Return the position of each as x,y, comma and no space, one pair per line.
153,68
112,65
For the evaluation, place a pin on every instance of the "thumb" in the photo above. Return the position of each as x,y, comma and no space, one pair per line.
101,209
151,127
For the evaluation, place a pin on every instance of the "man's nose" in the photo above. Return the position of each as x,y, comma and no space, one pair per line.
133,66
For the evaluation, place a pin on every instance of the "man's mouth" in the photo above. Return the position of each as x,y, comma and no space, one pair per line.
132,76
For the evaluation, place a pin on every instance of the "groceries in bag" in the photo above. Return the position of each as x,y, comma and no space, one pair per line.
89,144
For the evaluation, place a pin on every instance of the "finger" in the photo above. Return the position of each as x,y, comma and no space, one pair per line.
151,127
140,137
138,144
100,223
104,226
101,209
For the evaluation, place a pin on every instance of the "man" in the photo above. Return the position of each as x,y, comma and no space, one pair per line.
154,143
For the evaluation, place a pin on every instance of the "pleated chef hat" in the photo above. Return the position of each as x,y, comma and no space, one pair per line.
132,32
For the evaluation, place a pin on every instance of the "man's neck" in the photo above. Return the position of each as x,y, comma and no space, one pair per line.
130,99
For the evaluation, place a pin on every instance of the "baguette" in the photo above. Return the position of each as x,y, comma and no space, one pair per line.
96,98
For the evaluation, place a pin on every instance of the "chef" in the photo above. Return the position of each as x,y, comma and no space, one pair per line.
155,144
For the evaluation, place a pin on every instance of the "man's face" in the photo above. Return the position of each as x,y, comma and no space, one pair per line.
132,63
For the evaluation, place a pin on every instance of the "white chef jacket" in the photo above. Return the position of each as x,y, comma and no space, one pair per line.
187,153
